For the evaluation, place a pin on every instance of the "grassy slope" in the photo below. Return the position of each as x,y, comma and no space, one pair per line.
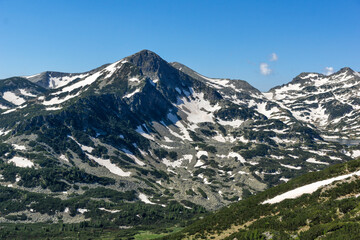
322,213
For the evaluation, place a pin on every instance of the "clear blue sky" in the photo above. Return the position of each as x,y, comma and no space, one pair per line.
216,38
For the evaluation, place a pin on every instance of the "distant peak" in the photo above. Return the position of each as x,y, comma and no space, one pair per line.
345,69
144,54
148,62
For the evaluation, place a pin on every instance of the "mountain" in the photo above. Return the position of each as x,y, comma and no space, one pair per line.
328,103
318,205
142,135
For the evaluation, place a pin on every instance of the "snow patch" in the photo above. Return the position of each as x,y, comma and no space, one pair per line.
198,109
355,153
132,156
238,156
145,199
63,157
290,167
233,123
2,132
53,108
82,210
201,153
11,97
26,93
307,189
83,147
110,166
18,147
140,129
21,162
313,160
199,163
129,95
108,210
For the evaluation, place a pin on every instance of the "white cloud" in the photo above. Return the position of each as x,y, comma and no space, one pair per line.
329,70
274,57
264,69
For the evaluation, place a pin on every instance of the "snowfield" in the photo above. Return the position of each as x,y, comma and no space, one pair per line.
110,166
307,189
11,97
21,162
145,199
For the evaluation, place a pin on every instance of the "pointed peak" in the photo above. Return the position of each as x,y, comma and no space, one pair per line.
345,69
149,63
143,55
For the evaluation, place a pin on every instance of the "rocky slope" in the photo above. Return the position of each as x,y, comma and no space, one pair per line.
319,205
159,132
328,103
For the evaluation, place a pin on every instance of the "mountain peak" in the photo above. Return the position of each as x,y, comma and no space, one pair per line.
345,69
149,62
143,55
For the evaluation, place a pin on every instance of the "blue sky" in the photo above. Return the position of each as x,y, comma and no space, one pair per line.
232,39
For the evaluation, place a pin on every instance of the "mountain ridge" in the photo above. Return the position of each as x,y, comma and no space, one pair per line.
161,134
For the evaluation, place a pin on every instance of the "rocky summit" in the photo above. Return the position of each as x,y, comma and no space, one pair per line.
140,134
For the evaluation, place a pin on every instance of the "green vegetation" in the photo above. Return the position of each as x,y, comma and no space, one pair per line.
331,213
50,177
107,209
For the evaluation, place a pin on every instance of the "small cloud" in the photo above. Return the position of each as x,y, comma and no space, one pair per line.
329,70
264,69
274,57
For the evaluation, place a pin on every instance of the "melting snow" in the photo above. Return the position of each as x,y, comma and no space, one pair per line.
284,179
201,153
261,108
188,157
18,147
18,178
145,199
83,147
87,81
198,110
3,107
233,123
108,210
82,210
140,129
26,93
238,156
173,164
313,160
63,157
53,108
290,167
110,166
57,82
167,139
129,95
199,163
307,189
355,153
11,97
57,100
132,156
134,79
2,132
21,162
